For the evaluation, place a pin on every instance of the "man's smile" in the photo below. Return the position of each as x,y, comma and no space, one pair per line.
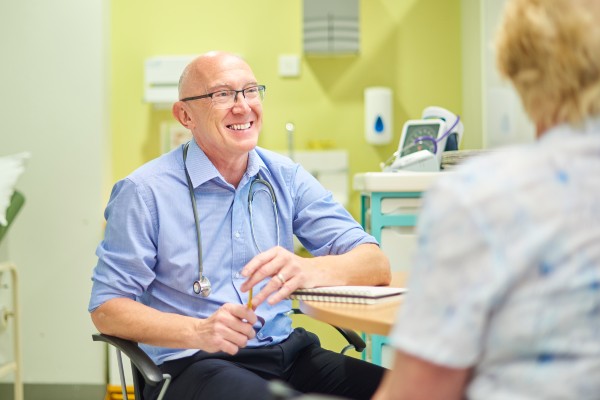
240,127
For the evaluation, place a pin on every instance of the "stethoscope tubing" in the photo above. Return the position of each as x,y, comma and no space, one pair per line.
202,285
258,180
198,285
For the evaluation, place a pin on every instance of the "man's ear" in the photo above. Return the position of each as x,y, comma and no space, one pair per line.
182,115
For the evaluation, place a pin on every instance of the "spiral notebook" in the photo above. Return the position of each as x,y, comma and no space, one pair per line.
349,294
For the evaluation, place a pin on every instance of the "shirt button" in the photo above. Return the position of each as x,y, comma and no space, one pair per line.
237,235
237,275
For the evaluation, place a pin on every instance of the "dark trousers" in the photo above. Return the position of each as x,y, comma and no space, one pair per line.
299,361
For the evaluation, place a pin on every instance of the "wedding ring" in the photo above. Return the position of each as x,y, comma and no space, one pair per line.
281,278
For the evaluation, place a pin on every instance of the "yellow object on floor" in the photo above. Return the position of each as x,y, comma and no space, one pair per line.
114,392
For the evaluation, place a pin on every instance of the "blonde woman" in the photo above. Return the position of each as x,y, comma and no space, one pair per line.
504,299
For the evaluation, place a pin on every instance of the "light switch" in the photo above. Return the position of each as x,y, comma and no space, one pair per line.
289,65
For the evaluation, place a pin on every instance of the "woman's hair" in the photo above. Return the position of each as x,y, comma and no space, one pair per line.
550,51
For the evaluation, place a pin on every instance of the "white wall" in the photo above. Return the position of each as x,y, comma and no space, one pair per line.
491,106
504,117
53,103
471,73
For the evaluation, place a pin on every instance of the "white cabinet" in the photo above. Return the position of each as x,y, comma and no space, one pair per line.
390,203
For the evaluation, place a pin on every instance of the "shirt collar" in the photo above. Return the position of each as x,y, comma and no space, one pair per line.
202,170
589,126
199,167
255,165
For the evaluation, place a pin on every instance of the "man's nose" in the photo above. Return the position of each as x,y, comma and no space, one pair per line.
240,103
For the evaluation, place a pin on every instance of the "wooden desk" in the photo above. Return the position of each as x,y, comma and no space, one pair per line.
369,318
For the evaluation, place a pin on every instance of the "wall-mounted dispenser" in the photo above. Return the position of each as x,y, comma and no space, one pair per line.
378,115
161,78
331,27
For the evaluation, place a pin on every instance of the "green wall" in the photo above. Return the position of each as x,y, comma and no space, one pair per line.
412,46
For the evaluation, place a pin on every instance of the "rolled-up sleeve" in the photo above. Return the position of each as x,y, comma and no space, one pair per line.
321,224
127,255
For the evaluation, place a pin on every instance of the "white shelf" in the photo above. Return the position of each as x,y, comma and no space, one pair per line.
401,181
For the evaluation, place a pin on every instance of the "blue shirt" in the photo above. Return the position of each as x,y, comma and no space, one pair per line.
149,252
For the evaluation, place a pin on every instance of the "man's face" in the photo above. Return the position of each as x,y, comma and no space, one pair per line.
230,133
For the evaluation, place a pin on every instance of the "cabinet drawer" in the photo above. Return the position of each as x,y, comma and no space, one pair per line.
409,205
399,244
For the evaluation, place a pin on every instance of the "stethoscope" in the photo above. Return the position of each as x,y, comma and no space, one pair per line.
202,285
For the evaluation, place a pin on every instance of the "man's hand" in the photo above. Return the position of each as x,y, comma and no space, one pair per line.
288,272
227,330
363,265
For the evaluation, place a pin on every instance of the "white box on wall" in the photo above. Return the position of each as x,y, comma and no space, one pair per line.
161,78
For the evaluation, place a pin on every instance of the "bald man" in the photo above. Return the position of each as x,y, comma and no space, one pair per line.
249,203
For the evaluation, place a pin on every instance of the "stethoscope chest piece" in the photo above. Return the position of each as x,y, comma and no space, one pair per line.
202,286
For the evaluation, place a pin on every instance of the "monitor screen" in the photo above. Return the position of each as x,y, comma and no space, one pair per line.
413,135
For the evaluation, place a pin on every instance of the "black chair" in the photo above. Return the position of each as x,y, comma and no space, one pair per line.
355,341
146,372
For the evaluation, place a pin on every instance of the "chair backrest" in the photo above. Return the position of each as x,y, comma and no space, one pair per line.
16,202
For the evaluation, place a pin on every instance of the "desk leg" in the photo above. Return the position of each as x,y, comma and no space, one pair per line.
367,354
374,350
377,343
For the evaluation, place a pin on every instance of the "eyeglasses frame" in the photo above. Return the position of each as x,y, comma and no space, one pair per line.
261,88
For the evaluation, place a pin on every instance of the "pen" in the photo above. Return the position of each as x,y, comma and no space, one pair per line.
250,299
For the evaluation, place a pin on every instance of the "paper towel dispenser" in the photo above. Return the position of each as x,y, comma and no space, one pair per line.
379,127
161,78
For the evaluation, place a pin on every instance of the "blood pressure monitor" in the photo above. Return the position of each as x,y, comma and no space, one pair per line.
422,134
420,147
424,140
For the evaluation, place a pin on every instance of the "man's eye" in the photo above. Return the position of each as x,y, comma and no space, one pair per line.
222,94
251,90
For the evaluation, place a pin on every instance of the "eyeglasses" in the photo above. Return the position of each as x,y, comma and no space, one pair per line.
227,98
